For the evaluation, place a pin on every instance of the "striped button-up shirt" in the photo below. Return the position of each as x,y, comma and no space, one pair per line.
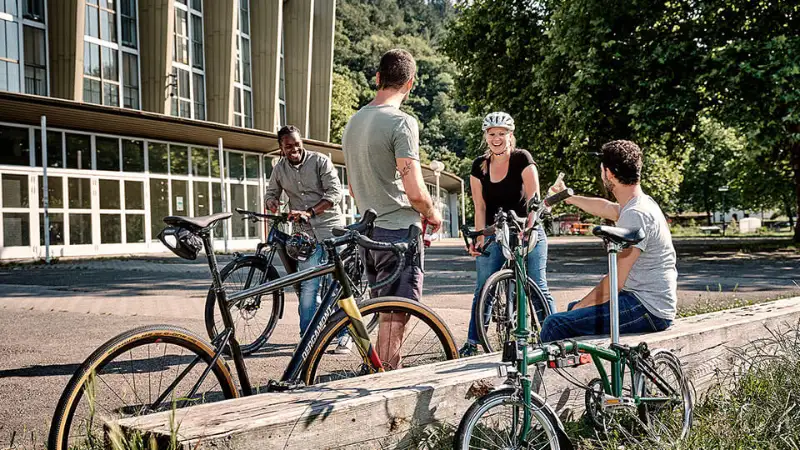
306,184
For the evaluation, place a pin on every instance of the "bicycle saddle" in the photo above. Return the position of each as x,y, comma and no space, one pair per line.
196,223
621,236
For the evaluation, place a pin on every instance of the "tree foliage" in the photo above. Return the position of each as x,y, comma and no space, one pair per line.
694,83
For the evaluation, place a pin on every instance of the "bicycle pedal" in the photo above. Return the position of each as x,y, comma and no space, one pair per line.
617,402
284,386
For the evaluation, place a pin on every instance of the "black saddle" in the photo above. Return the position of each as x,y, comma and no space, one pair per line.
195,224
621,236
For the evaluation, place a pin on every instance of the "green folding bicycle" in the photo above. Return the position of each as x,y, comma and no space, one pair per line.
646,395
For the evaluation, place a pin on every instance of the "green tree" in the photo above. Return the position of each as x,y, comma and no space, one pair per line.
753,76
344,101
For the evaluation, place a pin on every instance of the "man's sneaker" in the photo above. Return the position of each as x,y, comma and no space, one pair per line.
468,350
344,345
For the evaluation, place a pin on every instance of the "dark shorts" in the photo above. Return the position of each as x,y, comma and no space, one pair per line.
380,265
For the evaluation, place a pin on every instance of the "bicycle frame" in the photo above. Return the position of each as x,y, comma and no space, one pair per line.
340,292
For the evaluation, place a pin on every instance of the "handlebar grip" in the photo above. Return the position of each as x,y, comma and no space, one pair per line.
369,216
369,244
558,197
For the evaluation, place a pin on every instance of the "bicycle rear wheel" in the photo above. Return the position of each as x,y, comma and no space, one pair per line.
423,339
254,318
496,421
500,287
133,374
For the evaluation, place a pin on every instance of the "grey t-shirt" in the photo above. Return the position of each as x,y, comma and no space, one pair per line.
372,139
653,277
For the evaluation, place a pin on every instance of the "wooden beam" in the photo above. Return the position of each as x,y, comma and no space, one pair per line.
383,410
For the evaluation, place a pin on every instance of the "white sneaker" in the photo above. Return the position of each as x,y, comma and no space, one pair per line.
344,345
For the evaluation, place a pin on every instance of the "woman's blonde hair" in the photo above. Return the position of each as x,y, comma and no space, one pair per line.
488,152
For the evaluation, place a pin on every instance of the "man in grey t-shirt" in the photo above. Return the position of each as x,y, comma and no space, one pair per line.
381,150
647,274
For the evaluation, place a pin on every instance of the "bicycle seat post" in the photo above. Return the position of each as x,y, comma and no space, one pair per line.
612,249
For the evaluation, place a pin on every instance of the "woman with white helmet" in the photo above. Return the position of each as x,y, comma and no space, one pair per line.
504,177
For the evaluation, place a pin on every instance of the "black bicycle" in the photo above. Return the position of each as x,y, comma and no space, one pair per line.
255,317
160,367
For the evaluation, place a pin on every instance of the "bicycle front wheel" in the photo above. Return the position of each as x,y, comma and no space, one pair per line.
408,334
497,295
144,370
497,421
666,412
254,318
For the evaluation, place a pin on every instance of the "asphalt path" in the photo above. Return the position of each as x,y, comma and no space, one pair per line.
53,317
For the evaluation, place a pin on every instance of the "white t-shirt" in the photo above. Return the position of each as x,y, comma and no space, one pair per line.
654,277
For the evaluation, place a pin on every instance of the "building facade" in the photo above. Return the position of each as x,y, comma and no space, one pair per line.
154,108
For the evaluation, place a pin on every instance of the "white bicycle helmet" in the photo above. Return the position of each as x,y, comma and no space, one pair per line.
498,119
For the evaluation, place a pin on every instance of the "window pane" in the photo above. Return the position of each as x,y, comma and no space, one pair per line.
92,25
237,120
246,61
128,10
132,156
199,98
80,229
237,201
214,156
252,205
179,160
108,26
110,64
16,230
91,59
181,36
197,41
15,191
216,199
237,100
245,17
130,78
134,228
197,4
110,94
235,166
159,205
248,107
267,167
56,228
110,229
200,162
15,146
109,194
55,192
33,10
91,91
180,197
79,154
54,156
158,158
80,194
134,195
251,163
201,200
107,153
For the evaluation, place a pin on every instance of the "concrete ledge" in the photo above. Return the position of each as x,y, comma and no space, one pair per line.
384,409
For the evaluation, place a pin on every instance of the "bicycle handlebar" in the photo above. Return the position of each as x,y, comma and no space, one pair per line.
402,249
257,217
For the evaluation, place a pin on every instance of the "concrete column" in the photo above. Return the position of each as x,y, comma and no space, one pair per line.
322,70
298,20
454,208
265,34
156,28
219,29
65,38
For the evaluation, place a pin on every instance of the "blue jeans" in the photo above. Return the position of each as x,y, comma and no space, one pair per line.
595,320
309,289
536,263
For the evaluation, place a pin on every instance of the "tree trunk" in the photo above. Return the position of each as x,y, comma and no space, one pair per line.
795,158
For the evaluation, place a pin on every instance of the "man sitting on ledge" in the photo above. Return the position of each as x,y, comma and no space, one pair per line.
647,274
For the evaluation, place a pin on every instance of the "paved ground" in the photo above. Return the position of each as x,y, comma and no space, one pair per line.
53,317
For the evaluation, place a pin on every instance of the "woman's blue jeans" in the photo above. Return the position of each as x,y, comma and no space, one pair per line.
487,265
